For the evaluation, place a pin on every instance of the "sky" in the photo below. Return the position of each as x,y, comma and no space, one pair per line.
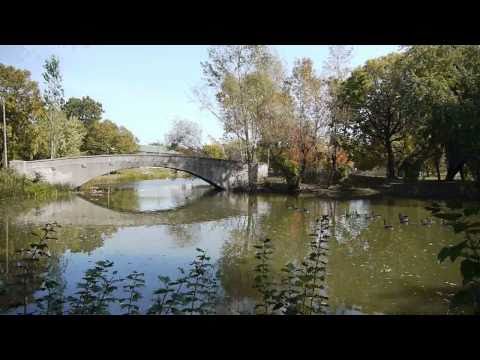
145,88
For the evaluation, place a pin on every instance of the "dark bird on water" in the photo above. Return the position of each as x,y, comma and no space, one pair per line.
387,226
403,218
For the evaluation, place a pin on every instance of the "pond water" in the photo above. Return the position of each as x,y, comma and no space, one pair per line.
154,226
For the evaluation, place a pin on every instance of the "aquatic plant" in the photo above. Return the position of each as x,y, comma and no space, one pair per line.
299,290
135,281
96,291
463,220
194,292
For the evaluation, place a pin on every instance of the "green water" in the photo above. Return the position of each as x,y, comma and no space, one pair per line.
154,226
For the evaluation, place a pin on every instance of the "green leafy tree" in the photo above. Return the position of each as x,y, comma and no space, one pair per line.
214,151
22,105
243,78
444,96
106,137
374,93
54,100
70,133
87,110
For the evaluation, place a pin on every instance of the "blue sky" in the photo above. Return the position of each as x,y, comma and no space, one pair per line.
146,87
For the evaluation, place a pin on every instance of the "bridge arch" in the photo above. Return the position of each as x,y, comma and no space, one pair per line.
75,171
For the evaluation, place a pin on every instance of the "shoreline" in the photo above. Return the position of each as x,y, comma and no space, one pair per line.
354,189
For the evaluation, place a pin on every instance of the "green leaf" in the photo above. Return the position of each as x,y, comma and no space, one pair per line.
452,252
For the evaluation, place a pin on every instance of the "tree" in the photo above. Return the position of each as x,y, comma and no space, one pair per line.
87,110
444,92
214,151
374,94
54,93
337,64
337,68
107,138
70,133
22,105
243,78
54,100
310,113
184,134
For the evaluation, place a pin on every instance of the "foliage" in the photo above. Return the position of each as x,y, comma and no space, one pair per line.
310,112
289,169
374,94
263,283
87,110
246,80
65,134
136,281
300,290
106,137
96,290
53,119
39,129
463,220
214,151
22,105
15,186
192,293
54,93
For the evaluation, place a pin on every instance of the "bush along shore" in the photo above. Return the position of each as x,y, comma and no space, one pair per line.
15,186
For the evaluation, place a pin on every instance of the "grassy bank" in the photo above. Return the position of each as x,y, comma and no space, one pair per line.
15,186
130,175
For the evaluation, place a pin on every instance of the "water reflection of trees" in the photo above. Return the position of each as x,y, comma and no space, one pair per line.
184,235
116,198
267,216
14,237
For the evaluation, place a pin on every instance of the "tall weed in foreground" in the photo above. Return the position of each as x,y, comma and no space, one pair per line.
466,221
194,292
301,289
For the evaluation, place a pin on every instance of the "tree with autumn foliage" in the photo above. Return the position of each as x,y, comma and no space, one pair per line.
310,114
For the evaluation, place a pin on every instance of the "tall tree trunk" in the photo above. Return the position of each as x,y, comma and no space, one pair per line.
437,169
390,161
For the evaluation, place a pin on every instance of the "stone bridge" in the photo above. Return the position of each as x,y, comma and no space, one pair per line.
75,171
